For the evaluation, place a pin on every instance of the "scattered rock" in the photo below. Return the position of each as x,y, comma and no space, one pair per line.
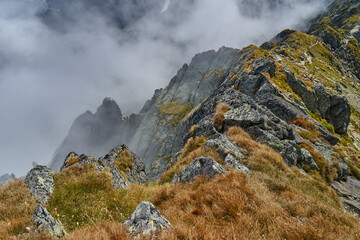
237,165
224,146
349,191
40,183
146,219
201,166
44,221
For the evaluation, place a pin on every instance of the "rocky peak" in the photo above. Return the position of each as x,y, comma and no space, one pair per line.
109,109
4,179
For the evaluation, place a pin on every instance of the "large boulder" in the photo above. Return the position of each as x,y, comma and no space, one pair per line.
146,219
40,183
201,166
43,220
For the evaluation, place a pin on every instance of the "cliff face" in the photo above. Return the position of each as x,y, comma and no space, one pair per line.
312,76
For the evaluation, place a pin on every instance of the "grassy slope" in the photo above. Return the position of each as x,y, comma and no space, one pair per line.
273,202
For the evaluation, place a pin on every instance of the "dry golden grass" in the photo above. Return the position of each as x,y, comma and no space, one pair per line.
16,209
192,150
312,132
241,138
124,162
219,118
72,161
305,123
239,206
101,231
273,202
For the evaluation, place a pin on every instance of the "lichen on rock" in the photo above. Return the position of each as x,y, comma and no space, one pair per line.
43,220
146,219
40,183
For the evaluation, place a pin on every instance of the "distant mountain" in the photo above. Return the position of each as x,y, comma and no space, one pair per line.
4,179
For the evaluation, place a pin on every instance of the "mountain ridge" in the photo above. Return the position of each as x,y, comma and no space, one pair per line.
263,142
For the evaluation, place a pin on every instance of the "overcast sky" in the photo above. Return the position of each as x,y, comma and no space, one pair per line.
48,77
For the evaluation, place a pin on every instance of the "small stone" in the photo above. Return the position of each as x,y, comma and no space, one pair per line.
201,166
146,219
231,161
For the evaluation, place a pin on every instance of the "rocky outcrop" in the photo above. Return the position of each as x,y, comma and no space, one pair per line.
146,220
349,191
336,110
118,180
43,221
135,171
122,163
201,166
6,178
40,183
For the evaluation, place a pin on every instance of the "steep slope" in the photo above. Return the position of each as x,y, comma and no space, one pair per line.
294,75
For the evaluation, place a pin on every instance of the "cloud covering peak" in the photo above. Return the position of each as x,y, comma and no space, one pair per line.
59,58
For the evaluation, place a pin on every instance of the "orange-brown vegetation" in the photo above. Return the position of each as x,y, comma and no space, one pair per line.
193,149
16,209
274,201
312,131
103,231
72,160
218,119
124,161
305,123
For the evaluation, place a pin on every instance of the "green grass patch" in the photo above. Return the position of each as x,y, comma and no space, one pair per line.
176,110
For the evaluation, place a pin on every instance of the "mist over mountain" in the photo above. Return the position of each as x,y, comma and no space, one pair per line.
60,58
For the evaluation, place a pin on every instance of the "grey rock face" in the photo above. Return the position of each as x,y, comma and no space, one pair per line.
146,219
336,110
224,146
237,165
43,220
201,166
40,183
6,178
349,191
